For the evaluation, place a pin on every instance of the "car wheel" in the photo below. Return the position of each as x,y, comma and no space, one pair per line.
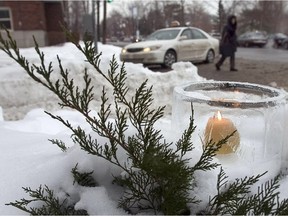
210,56
169,59
285,45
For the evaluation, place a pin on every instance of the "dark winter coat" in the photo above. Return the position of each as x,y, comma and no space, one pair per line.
228,42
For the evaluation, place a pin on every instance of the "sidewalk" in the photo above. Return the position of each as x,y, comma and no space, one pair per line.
266,73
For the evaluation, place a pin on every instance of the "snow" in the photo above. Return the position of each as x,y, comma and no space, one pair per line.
28,159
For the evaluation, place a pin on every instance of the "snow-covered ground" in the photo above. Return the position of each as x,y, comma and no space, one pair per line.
28,159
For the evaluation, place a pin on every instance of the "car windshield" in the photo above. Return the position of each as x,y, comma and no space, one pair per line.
164,34
256,35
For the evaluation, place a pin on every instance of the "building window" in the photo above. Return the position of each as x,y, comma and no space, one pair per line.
5,18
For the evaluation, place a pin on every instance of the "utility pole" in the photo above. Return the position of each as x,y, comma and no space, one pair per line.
94,26
104,22
182,13
98,20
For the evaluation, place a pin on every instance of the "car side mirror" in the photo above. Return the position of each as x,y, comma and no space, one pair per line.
183,37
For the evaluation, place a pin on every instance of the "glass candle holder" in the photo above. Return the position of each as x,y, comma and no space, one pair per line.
254,113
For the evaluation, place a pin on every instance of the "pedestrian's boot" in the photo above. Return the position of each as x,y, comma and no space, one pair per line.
233,69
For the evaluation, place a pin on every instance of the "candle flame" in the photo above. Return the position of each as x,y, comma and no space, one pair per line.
219,116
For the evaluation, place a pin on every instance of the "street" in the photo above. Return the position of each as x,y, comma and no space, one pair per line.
267,53
265,65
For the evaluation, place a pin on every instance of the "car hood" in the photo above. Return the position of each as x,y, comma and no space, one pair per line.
150,43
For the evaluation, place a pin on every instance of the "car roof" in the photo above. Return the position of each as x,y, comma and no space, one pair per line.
178,28
253,33
280,35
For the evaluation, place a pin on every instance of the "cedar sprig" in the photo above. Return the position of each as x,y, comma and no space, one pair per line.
49,204
83,178
231,197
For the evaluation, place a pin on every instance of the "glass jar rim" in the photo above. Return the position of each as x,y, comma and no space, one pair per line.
275,96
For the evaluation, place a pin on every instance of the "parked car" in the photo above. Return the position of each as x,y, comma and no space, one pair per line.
169,45
278,40
255,38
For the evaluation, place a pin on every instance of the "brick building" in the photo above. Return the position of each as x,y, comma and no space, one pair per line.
39,18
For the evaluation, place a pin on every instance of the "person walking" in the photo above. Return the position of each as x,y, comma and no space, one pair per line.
228,43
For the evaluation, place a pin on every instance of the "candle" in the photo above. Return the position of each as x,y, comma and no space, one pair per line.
218,128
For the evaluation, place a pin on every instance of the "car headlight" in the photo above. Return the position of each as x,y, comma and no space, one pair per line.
123,50
148,49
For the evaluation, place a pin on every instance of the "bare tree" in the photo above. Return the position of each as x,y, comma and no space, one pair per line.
197,16
236,6
153,15
221,16
74,11
118,25
271,15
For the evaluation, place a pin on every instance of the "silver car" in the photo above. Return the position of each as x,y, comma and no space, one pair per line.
255,38
170,45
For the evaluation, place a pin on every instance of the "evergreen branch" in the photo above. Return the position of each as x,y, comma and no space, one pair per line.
85,141
89,52
282,207
51,204
83,179
184,144
265,199
138,112
59,143
222,180
118,80
11,49
141,115
90,145
139,194
209,151
233,199
121,123
120,89
67,93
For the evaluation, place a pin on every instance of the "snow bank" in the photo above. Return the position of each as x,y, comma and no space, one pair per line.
19,93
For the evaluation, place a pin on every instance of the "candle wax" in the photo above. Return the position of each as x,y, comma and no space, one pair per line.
218,129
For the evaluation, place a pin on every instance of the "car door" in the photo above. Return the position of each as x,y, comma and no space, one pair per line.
186,46
201,44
